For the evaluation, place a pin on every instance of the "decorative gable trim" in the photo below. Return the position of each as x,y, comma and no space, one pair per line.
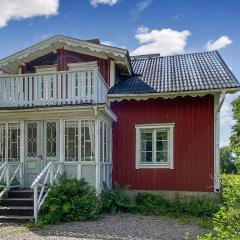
170,95
11,63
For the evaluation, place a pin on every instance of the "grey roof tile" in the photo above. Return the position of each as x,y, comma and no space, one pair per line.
178,73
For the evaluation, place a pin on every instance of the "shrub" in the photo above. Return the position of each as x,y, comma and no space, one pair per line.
115,200
196,207
70,200
227,220
148,203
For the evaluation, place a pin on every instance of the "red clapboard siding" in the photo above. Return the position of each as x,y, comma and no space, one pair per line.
64,57
193,143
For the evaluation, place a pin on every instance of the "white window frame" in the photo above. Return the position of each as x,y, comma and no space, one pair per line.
161,126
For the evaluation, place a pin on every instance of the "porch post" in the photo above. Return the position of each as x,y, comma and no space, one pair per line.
95,83
22,146
98,187
61,145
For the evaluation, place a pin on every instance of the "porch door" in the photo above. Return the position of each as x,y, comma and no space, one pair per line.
41,146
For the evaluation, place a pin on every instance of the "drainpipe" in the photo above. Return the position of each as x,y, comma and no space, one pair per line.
218,104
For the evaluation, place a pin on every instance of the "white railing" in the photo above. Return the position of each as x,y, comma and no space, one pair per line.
46,178
54,88
11,176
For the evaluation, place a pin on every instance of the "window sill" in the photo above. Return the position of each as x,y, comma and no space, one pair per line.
139,166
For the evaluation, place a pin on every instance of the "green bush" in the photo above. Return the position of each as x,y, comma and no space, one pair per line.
70,200
116,200
152,204
227,220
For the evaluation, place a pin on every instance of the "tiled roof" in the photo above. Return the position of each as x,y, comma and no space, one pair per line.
179,73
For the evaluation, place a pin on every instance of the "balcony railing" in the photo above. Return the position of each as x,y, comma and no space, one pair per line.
54,88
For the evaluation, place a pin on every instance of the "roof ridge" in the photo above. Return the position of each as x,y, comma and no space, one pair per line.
157,55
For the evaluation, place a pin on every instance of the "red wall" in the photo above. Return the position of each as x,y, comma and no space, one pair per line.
193,143
64,57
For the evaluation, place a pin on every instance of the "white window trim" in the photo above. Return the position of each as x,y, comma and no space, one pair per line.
160,126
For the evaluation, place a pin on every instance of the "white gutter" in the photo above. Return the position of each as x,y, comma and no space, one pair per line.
218,101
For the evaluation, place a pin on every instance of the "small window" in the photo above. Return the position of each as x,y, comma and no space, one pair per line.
154,146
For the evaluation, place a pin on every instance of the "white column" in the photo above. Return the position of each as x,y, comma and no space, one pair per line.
22,136
112,73
61,144
97,157
95,83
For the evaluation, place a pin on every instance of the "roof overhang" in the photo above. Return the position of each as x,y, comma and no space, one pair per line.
169,95
11,63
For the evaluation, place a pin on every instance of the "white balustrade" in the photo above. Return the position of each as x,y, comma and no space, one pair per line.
42,184
11,176
58,88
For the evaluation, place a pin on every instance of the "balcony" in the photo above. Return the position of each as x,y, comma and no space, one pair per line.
77,86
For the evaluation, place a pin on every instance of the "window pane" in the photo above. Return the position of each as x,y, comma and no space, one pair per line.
145,136
87,140
51,139
32,139
71,141
13,142
146,157
146,146
162,135
161,157
162,145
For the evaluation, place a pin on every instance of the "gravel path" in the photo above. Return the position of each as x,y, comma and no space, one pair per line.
118,226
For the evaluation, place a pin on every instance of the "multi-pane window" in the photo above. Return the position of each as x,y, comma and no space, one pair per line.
71,141
80,140
13,142
154,145
9,142
105,138
87,140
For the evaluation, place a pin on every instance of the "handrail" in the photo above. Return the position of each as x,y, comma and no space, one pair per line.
48,176
74,86
44,73
8,174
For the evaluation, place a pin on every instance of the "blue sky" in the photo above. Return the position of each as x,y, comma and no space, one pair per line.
142,26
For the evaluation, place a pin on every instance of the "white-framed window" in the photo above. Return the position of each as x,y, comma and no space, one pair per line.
79,140
10,142
154,145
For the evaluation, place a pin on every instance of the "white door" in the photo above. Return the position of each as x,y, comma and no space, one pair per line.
41,146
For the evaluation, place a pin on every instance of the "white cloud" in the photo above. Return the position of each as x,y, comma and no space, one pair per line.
226,119
164,41
95,3
139,8
21,9
222,42
143,4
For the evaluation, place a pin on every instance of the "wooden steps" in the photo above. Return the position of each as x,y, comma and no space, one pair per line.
18,206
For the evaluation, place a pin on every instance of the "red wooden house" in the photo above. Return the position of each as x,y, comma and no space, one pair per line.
91,110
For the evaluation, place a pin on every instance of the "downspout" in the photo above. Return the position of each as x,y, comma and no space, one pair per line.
218,104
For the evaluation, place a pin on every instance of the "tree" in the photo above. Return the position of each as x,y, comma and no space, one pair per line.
227,161
235,138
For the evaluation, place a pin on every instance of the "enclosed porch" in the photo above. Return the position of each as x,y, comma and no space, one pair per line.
76,141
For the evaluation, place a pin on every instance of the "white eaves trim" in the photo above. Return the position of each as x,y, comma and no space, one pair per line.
145,96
